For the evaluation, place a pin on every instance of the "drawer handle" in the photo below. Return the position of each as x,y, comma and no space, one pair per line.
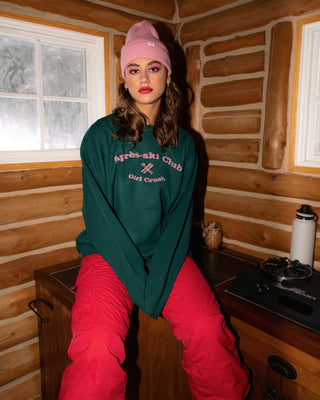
33,306
283,367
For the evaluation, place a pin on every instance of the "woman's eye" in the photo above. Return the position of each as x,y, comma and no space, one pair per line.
133,71
155,69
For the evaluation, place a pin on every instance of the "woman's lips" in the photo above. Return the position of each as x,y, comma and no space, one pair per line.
145,90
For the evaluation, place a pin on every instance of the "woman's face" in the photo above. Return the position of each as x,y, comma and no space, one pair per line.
146,81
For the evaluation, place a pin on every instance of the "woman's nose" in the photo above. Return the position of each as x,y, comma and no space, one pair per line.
144,76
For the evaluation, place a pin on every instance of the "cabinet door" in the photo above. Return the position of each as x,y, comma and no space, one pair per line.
266,383
257,347
159,359
54,340
292,391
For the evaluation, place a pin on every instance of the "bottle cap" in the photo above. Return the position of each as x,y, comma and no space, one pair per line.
305,211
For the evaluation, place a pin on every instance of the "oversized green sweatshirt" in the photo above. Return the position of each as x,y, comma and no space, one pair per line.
137,208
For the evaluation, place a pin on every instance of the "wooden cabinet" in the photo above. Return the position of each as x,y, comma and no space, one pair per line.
54,338
54,302
270,346
153,354
260,349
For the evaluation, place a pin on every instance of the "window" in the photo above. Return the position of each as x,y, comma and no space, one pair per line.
305,154
52,87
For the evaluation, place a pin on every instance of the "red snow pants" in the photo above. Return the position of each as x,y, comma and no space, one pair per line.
100,324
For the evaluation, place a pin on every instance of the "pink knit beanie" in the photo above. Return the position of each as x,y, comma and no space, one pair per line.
142,41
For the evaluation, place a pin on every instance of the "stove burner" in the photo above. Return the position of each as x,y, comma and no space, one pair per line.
283,269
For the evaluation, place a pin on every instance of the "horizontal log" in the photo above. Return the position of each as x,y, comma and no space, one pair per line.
17,363
164,8
189,8
232,122
239,42
30,386
267,209
37,236
233,150
18,331
232,93
253,14
243,247
39,178
39,205
275,127
85,11
20,271
16,303
256,181
257,234
232,65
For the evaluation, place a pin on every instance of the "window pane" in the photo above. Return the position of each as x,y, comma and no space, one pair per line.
65,124
19,124
17,65
64,71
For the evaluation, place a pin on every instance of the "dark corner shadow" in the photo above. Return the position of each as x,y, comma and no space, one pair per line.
132,353
179,76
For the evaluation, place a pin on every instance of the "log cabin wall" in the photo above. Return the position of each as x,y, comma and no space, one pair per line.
40,207
240,57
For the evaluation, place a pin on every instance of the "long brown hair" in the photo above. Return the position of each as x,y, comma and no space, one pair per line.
130,122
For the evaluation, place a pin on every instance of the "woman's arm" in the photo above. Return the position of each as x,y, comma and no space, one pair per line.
104,231
173,245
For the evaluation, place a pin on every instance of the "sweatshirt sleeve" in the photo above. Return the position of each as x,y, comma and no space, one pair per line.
173,245
104,231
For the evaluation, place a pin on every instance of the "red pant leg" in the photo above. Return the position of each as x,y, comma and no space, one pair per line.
210,356
100,323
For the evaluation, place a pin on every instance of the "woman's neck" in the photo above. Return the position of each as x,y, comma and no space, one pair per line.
150,111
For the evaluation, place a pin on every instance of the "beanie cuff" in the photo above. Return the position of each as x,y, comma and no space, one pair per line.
144,50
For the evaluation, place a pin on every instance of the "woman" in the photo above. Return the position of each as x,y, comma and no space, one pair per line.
139,170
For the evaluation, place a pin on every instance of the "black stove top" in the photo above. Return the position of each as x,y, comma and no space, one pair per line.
295,299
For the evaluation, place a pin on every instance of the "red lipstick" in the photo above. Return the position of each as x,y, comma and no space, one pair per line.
145,90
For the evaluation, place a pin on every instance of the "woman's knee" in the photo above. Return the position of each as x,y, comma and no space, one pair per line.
98,346
206,334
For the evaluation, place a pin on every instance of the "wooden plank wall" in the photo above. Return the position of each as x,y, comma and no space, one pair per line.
40,208
246,54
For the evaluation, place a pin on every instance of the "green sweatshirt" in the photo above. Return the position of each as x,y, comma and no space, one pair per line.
137,208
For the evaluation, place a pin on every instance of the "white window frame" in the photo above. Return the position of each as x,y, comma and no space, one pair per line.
306,95
95,46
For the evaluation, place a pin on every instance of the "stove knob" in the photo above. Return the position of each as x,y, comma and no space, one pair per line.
261,288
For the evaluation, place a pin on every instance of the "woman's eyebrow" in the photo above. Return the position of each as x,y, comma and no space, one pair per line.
138,65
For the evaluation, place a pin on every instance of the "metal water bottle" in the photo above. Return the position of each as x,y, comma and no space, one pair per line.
303,235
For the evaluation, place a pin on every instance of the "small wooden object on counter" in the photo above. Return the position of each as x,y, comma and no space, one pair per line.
212,234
